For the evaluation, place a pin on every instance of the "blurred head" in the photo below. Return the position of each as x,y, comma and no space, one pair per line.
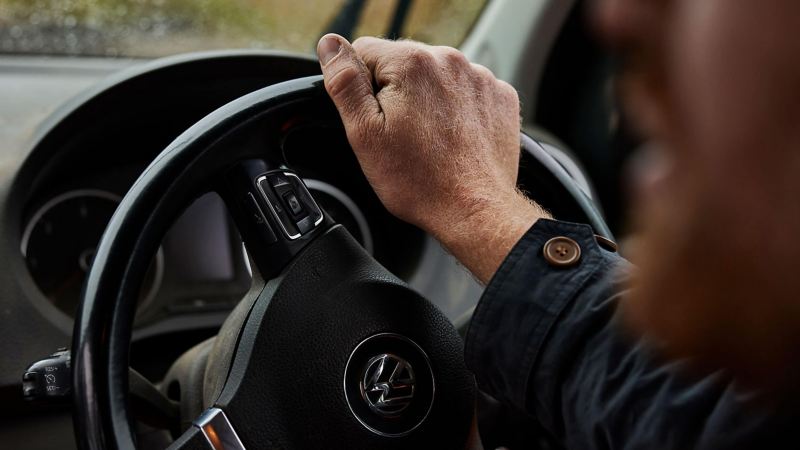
715,85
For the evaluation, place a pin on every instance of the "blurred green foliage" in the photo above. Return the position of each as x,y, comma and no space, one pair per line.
150,28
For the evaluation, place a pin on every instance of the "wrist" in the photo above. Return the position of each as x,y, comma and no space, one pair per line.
483,234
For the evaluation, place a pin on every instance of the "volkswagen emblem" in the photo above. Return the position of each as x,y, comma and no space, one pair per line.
388,384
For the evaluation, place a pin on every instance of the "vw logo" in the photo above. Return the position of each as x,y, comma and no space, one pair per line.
387,384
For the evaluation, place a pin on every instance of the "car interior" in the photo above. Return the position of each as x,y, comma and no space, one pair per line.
193,259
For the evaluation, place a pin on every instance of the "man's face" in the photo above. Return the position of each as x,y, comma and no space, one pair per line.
715,84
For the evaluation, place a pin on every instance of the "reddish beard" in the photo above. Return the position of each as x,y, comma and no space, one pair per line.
717,279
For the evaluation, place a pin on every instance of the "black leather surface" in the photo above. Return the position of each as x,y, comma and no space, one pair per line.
286,386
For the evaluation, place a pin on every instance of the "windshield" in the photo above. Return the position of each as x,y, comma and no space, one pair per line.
150,28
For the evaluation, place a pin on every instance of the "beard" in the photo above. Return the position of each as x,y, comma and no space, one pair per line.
716,280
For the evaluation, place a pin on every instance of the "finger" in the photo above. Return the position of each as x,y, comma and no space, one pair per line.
370,48
386,59
349,84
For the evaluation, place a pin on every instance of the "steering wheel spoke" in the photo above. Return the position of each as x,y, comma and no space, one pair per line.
150,405
211,431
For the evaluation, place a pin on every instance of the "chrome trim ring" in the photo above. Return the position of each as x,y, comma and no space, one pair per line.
159,259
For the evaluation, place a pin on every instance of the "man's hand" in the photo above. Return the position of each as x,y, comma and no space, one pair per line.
438,139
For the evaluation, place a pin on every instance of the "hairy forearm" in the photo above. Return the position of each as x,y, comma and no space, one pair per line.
482,239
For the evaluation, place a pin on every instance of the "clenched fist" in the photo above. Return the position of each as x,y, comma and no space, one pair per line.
438,139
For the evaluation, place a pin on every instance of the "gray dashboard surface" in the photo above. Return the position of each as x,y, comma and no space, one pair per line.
32,88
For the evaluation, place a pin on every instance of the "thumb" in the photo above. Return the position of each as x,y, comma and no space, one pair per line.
349,83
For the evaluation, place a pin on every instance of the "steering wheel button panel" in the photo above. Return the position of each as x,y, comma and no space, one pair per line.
290,202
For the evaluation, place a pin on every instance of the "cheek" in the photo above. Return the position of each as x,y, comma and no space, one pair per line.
719,238
735,90
737,101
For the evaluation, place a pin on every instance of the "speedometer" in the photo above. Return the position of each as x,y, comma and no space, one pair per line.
59,244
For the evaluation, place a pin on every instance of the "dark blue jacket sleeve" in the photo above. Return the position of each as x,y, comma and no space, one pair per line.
546,340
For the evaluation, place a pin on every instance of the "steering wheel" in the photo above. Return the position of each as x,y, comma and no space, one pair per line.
328,349
331,351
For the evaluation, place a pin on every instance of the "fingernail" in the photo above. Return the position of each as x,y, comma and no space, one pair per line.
328,47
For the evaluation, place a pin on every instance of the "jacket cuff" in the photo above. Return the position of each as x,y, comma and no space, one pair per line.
521,305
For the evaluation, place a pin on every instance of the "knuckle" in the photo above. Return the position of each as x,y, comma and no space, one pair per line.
507,91
482,72
365,41
453,57
420,59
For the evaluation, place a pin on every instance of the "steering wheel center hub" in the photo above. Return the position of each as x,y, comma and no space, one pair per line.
389,384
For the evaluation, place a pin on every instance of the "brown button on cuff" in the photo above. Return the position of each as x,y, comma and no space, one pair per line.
562,252
606,243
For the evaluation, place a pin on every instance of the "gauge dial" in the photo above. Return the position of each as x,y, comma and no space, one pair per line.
343,210
59,244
